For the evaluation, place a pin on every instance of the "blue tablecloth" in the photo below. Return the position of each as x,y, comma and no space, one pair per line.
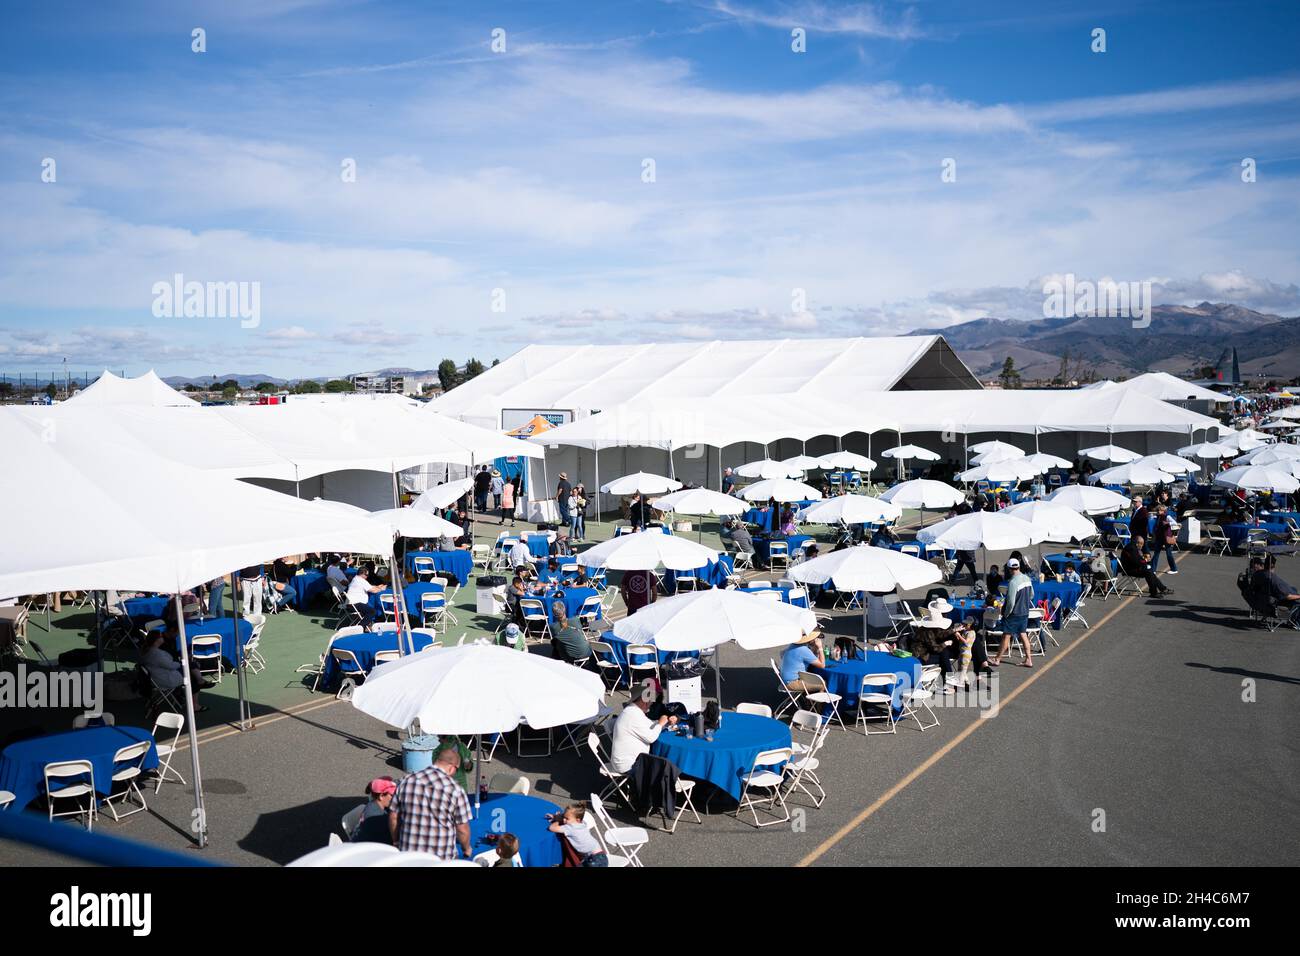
729,755
539,545
411,594
714,574
526,818
573,600
782,589
1067,591
145,608
309,585
845,677
1280,516
965,607
22,765
1237,532
365,646
458,562
794,544
765,521
223,627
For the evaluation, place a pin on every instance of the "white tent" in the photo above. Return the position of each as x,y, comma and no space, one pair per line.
146,390
1165,387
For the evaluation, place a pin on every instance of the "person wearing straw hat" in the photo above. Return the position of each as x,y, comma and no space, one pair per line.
803,655
929,637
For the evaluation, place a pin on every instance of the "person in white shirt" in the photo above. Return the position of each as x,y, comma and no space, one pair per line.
359,592
520,556
336,576
634,731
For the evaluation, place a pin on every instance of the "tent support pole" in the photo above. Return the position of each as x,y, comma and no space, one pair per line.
199,825
399,602
670,462
243,694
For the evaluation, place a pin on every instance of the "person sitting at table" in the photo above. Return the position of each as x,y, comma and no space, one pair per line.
1004,499
567,642
804,654
283,570
742,539
1071,575
571,824
371,823
1133,560
334,573
634,731
883,537
561,546
507,849
165,670
639,513
787,521
520,556
582,581
993,580
551,571
1267,586
359,591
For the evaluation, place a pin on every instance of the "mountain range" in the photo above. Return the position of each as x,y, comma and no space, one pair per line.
1180,340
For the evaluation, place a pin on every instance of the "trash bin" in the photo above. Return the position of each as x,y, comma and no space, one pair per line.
417,752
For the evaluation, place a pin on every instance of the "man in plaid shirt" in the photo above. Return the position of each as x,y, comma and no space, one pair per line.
430,811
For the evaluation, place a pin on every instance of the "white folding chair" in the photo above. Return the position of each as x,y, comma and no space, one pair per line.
433,610
6,799
648,665
877,693
127,767
920,697
615,859
628,839
809,733
606,664
205,651
792,701
481,555
423,568
590,613
1216,539
815,692
351,672
533,613
778,552
758,710
617,781
105,719
82,775
167,721
383,657
686,580
767,774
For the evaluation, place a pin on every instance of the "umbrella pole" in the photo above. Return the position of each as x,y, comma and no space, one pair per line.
399,603
239,650
478,776
199,824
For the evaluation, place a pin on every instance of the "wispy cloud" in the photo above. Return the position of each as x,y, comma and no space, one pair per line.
852,19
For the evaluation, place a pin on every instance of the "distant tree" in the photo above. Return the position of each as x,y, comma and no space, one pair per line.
339,385
51,390
230,383
6,389
473,368
191,387
267,387
447,375
1009,377
496,362
230,391
308,387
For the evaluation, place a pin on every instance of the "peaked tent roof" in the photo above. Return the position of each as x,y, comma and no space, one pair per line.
1166,387
147,389
595,377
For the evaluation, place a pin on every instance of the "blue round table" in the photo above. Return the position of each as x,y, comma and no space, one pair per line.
458,562
523,816
411,594
146,608
365,646
845,677
725,759
22,765
965,607
224,628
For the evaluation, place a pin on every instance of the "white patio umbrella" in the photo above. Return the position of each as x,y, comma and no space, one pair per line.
1252,477
641,483
1016,469
767,468
1174,464
802,462
1236,442
992,530
923,493
1134,473
849,460
864,568
906,452
1088,499
415,523
699,620
479,689
700,501
1110,453
444,495
1271,455
1042,462
851,509
1208,450
646,551
1056,521
780,489
1279,425
985,446
993,455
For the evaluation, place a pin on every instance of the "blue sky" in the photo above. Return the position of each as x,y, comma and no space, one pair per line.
499,196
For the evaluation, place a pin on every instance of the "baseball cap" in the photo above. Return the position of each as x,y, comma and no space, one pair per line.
382,785
1013,563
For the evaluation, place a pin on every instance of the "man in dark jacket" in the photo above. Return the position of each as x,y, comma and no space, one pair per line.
1139,525
1135,565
